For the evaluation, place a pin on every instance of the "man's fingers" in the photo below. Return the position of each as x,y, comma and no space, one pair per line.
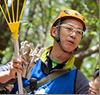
17,61
23,61
18,70
20,61
18,66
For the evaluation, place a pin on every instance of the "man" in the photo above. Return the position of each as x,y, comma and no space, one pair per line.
67,31
94,84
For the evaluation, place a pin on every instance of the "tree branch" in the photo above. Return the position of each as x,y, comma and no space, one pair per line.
86,53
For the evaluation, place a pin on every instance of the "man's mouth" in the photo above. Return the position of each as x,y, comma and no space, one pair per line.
71,42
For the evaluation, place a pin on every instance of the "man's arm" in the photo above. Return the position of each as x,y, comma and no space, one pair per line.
4,76
4,71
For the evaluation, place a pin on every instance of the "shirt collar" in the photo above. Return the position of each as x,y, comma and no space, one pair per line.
69,63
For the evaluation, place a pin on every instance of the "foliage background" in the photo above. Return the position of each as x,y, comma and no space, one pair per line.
35,27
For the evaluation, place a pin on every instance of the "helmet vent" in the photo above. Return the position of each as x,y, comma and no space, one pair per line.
67,12
76,14
83,18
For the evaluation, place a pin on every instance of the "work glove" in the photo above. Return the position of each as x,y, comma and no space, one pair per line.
30,56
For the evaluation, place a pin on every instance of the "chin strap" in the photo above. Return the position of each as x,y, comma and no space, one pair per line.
58,41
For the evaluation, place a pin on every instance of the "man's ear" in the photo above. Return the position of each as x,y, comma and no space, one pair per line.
53,31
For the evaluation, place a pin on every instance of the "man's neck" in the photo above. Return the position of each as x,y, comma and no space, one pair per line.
58,55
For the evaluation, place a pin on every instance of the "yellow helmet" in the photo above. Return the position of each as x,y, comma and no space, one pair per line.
68,13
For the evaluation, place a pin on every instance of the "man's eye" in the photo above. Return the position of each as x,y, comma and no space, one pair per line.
69,28
79,32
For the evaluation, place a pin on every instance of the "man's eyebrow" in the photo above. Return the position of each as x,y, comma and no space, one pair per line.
72,26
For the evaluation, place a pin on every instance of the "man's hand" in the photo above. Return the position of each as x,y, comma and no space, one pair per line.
16,67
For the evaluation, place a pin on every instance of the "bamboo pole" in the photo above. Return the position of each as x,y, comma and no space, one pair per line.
20,84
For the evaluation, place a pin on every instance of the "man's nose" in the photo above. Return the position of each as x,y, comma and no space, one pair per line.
73,34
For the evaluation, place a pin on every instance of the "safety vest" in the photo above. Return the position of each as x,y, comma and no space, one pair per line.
61,85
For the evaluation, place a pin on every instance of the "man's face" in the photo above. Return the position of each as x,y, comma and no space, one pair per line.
70,40
94,87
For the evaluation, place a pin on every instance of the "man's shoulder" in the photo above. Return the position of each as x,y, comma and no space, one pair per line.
80,75
82,83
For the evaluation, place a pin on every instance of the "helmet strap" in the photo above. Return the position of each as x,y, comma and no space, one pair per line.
58,40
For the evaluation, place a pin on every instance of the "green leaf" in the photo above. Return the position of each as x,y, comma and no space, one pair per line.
93,33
